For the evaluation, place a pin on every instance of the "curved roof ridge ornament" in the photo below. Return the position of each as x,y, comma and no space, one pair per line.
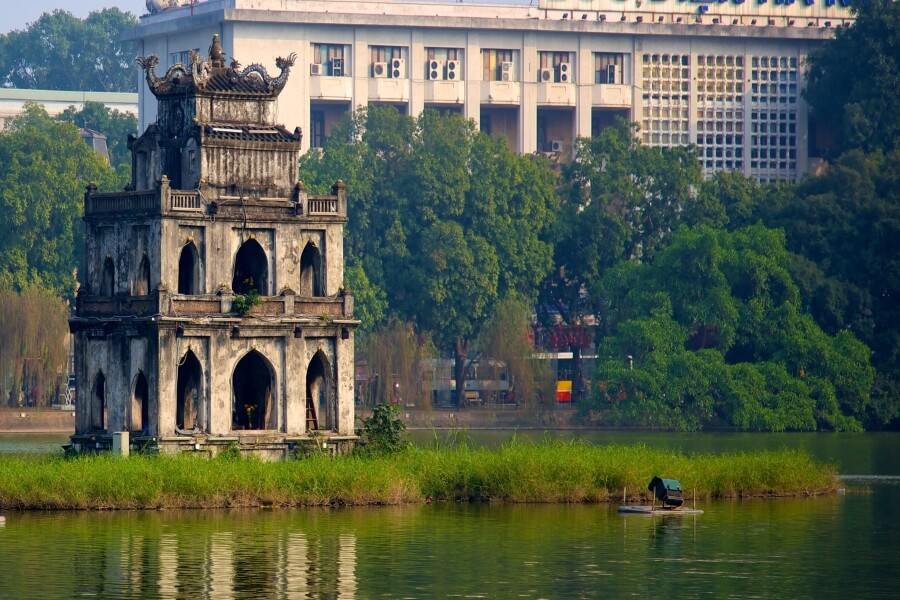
213,77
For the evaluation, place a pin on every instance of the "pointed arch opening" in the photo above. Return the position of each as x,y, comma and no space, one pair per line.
142,278
187,406
312,275
98,402
251,269
108,278
252,385
189,270
140,409
321,397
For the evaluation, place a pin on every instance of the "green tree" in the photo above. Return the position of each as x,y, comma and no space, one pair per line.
45,167
621,201
852,80
445,219
843,228
714,335
115,125
62,52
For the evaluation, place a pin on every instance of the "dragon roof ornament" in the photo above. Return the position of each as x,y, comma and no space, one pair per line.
213,77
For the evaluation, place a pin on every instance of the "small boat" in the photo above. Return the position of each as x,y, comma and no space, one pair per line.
642,509
668,492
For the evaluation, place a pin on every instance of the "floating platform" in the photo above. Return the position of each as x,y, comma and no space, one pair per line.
656,510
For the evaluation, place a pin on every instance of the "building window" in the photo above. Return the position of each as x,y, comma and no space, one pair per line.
773,111
609,68
499,65
181,58
330,59
665,80
387,62
317,129
444,64
556,67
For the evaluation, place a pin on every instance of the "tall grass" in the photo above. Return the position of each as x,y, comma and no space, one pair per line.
550,471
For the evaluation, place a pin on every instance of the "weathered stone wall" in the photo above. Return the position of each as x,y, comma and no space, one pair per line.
125,241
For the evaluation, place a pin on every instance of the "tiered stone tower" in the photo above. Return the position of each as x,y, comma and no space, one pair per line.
213,309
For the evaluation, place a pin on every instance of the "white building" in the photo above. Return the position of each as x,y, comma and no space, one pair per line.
726,76
12,101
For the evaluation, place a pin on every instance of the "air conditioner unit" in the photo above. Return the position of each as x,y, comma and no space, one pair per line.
506,72
337,67
398,68
565,72
435,69
556,146
545,75
454,70
315,69
380,69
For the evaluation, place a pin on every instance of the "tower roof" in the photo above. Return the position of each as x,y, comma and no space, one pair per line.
211,77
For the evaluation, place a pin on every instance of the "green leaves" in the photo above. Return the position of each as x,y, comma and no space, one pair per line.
852,80
716,338
444,220
45,167
62,52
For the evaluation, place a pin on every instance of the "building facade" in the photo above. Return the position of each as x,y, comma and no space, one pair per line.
212,310
726,76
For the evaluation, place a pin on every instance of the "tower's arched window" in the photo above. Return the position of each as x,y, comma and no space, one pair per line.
187,404
252,385
321,397
142,279
140,410
312,275
189,270
98,403
108,278
251,269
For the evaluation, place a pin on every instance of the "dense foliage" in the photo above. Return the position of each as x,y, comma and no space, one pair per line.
62,52
444,220
714,335
842,229
852,81
45,167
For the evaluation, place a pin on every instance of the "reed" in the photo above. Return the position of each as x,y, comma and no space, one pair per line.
520,471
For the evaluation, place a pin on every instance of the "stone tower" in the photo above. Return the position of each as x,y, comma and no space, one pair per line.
213,309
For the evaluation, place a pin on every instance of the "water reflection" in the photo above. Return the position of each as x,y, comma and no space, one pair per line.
225,566
783,548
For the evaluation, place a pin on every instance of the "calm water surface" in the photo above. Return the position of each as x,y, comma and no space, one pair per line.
845,545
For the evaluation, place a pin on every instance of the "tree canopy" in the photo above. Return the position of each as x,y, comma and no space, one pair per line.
446,220
852,81
842,229
621,201
712,334
61,52
45,167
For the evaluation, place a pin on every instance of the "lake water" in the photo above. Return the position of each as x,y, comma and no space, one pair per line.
844,545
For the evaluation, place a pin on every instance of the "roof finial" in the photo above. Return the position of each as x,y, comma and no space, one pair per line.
216,55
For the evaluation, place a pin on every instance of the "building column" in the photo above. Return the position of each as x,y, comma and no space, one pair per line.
584,92
473,74
415,71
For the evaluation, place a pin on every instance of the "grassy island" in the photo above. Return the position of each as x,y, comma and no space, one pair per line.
551,471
